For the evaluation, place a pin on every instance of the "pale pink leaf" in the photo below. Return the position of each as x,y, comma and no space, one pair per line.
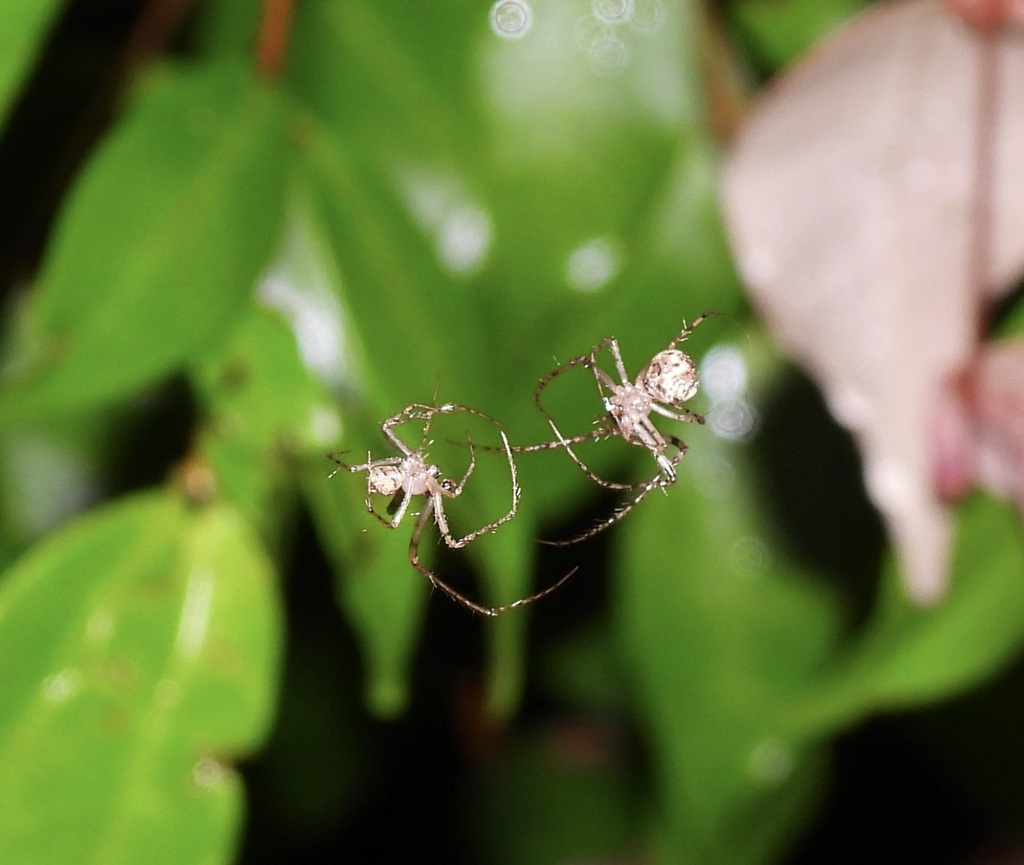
851,201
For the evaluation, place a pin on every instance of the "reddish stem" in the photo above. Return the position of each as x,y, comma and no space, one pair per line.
274,32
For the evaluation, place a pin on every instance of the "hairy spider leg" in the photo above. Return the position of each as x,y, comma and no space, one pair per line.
434,507
458,597
688,329
442,520
612,344
684,414
652,439
587,361
406,414
550,446
657,482
551,376
565,443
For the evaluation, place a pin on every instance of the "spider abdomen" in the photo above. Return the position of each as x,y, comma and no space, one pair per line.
671,377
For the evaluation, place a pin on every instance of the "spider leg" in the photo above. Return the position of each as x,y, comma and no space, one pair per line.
455,491
583,467
458,597
612,344
333,456
546,446
651,438
397,500
581,360
684,334
684,414
656,482
435,580
370,463
442,520
388,428
433,506
562,442
601,377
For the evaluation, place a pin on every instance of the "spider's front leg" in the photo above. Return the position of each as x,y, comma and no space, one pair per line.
458,597
453,490
657,482
370,462
612,344
432,508
582,360
684,414
442,521
688,329
583,467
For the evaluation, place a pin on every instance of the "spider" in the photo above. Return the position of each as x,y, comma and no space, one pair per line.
409,475
667,381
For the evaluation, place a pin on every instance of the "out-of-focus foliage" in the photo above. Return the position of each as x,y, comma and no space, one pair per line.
253,266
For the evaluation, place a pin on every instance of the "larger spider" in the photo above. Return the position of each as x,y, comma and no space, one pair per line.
409,475
667,381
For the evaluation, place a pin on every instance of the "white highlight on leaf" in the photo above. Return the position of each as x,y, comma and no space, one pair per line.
464,239
772,762
750,556
608,54
592,265
723,376
62,686
100,625
647,16
612,11
298,284
462,230
208,773
48,481
511,19
195,613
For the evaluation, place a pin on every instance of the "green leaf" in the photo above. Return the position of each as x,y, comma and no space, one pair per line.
779,31
564,796
139,650
910,655
23,26
382,595
720,630
391,284
266,412
160,243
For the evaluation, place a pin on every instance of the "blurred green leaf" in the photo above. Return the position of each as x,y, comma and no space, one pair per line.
267,412
720,630
382,596
908,655
564,796
404,312
779,31
226,28
23,26
141,273
156,638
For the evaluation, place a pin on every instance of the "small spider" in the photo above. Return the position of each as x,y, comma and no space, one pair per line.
662,386
403,477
